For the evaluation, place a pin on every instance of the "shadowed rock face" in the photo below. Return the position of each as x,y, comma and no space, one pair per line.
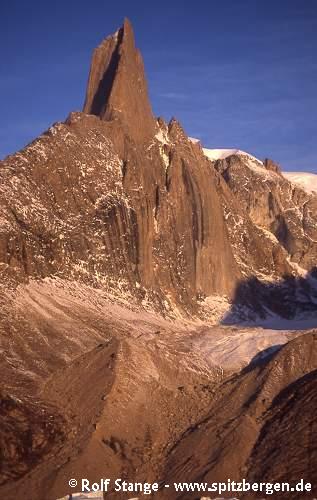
117,87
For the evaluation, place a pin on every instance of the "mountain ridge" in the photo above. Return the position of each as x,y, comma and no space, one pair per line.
128,261
97,198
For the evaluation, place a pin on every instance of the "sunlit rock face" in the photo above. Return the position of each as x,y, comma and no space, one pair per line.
127,251
117,87
274,204
114,195
117,196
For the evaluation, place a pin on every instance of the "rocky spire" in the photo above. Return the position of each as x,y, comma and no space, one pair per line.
272,166
117,87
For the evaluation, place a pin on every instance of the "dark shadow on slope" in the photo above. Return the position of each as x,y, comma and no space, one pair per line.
289,436
290,303
262,357
106,83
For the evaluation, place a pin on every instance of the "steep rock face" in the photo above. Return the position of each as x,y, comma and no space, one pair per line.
274,204
116,198
117,87
82,202
257,251
51,194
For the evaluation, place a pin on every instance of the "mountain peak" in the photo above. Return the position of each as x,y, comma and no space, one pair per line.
117,88
272,166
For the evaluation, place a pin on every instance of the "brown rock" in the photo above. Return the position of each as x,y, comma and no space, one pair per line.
114,199
130,199
272,166
117,88
275,205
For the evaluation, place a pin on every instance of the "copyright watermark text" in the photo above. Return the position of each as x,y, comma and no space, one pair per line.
120,485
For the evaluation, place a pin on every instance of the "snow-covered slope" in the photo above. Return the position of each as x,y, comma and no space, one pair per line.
268,197
305,180
220,154
250,161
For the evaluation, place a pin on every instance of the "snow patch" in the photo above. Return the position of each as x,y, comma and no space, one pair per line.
250,161
220,154
193,140
162,137
305,180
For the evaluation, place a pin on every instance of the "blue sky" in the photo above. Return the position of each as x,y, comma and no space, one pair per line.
236,73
